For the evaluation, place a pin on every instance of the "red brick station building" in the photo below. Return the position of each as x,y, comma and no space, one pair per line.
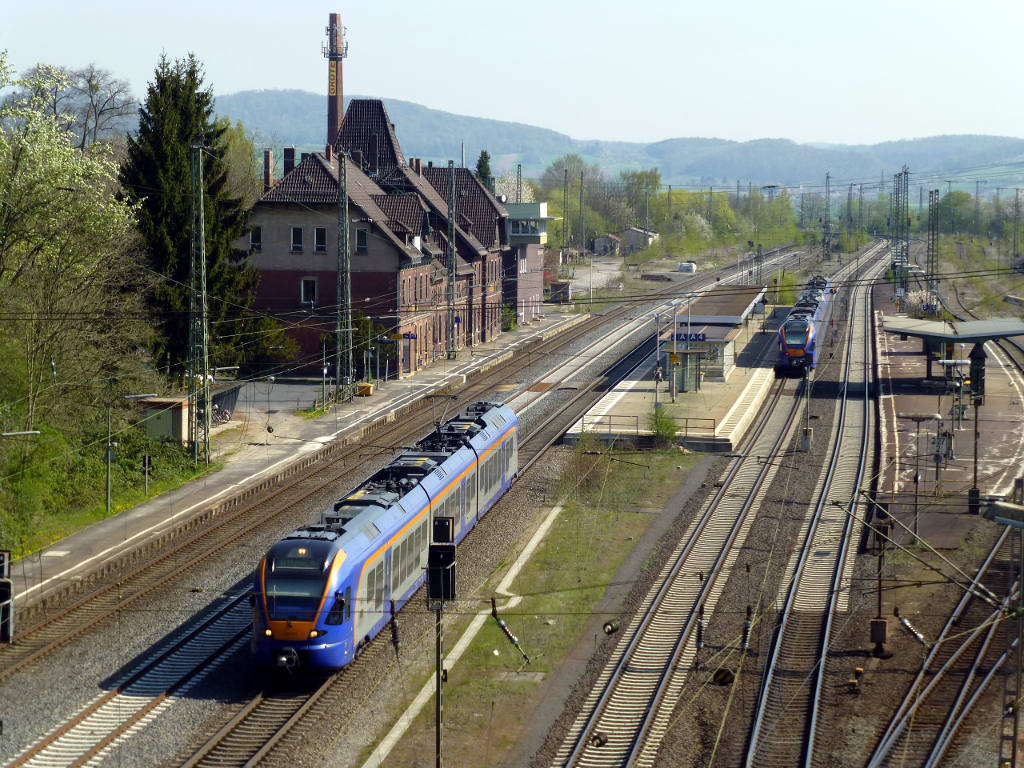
397,216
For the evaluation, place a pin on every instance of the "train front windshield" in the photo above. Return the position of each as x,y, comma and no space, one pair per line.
295,577
795,335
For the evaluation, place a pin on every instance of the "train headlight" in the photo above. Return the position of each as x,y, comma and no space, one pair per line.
268,633
315,633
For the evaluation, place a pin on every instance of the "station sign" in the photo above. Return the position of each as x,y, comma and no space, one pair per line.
691,337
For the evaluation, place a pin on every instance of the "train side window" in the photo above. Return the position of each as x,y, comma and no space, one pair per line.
371,585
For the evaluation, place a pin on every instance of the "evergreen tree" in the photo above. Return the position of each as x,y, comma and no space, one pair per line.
177,113
483,168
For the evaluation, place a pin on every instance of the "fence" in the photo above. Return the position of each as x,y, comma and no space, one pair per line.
689,426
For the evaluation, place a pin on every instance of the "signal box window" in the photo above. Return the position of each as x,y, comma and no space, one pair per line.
296,239
309,290
361,241
320,239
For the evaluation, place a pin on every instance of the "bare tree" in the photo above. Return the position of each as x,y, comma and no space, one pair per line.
91,102
104,103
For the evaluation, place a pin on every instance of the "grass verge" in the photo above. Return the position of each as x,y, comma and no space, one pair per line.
609,500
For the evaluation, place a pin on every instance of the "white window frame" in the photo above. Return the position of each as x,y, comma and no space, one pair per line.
303,282
363,234
319,247
296,246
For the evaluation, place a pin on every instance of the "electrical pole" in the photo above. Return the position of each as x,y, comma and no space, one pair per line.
198,328
933,248
1016,221
826,233
582,238
647,210
860,207
977,207
452,349
343,325
565,211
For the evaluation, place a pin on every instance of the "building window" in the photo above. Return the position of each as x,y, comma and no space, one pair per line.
309,290
361,246
320,239
256,239
522,266
296,239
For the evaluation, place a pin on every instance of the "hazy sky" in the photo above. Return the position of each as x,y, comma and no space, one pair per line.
640,70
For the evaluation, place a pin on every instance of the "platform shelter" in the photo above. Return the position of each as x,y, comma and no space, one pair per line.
940,337
710,327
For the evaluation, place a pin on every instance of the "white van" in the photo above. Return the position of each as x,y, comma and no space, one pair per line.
687,266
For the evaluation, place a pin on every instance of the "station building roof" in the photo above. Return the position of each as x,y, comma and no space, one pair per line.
724,305
968,332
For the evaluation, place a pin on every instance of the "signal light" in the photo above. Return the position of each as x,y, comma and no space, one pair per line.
268,633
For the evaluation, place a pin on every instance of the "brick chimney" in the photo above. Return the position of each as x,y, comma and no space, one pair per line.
329,153
289,160
268,169
335,51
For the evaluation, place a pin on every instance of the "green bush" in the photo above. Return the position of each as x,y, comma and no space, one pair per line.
663,428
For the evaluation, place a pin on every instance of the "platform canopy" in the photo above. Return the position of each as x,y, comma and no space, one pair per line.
724,305
969,332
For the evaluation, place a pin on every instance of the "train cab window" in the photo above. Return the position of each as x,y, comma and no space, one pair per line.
336,615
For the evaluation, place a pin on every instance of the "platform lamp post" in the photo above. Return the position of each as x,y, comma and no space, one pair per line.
112,445
675,346
657,352
917,418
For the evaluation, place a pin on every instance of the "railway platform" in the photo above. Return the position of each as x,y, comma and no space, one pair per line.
265,435
711,417
940,452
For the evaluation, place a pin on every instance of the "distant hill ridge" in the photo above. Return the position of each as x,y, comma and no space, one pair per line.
298,118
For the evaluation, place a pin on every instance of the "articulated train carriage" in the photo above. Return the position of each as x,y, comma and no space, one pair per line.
798,334
325,590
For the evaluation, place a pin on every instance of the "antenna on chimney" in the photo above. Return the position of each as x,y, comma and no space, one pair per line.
334,51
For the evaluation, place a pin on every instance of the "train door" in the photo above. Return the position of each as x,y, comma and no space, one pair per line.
388,562
462,501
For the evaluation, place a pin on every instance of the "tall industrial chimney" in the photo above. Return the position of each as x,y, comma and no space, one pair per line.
335,50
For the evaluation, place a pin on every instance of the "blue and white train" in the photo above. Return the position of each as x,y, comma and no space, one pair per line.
325,590
798,334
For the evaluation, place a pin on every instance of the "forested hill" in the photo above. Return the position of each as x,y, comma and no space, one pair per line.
292,117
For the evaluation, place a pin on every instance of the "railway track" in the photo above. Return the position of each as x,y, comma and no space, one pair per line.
260,726
959,663
141,570
141,696
628,710
210,533
622,719
786,717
